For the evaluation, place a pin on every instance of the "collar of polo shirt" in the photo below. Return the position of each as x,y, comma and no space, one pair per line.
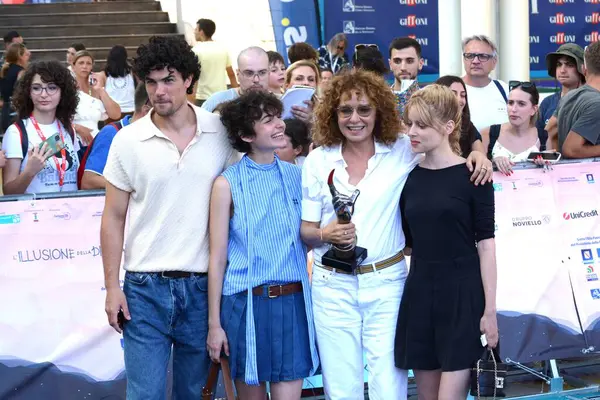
379,148
207,123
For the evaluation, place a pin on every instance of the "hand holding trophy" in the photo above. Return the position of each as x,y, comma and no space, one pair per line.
346,257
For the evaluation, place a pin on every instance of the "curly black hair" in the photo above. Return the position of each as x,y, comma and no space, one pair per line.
299,133
50,72
170,52
240,115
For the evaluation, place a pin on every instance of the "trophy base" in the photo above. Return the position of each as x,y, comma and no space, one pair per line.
349,265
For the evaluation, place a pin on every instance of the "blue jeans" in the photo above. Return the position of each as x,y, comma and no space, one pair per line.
165,313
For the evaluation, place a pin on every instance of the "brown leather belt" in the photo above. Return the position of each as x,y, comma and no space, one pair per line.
274,291
367,268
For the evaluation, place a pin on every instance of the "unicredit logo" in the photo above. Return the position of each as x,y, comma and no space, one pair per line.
580,214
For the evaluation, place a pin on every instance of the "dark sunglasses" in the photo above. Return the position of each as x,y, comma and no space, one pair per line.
515,84
365,46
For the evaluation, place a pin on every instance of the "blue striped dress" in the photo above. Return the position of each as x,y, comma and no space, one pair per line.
264,241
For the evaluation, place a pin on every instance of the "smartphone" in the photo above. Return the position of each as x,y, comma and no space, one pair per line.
550,156
55,143
93,80
121,319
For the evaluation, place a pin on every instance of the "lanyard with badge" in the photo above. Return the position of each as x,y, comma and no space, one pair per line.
333,65
61,168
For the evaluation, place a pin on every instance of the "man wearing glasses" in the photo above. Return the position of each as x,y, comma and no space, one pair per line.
252,74
487,97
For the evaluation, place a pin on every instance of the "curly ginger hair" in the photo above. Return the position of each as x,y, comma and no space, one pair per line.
326,131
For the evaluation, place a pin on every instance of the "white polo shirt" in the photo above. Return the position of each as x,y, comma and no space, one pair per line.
377,208
169,193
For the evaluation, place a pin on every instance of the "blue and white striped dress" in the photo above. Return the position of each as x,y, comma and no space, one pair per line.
264,241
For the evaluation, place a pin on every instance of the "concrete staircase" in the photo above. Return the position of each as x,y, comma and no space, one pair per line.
49,29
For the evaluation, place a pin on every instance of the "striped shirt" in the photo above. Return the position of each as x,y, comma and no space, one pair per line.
264,240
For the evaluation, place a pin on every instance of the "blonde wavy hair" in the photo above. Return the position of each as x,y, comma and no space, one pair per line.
436,105
302,63
326,130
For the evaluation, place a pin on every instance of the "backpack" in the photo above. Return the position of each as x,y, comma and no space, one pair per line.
117,125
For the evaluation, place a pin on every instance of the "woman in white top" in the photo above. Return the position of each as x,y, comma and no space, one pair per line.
95,104
118,81
45,100
356,126
512,142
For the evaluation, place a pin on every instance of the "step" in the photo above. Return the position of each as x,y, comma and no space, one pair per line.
104,29
60,54
83,18
64,42
96,7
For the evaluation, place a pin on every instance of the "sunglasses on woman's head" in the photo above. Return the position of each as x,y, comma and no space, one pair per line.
515,84
365,46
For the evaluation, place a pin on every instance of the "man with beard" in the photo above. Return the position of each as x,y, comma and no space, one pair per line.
487,97
405,63
159,174
252,74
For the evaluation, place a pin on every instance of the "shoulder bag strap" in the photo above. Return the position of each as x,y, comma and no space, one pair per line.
494,135
227,381
501,89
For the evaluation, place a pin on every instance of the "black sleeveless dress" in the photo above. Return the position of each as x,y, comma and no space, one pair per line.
444,215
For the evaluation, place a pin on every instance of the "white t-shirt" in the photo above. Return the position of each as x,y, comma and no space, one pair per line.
90,111
487,105
122,91
46,181
214,59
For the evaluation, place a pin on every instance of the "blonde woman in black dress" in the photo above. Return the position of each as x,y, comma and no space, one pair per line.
450,295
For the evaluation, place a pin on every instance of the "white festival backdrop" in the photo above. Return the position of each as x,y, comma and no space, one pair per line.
54,337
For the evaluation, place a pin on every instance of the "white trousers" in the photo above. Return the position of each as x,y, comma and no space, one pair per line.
356,315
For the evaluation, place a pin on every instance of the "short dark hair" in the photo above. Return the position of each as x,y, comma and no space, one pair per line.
50,72
302,51
207,26
400,43
170,52
140,98
592,58
370,59
240,115
299,134
78,46
275,57
10,36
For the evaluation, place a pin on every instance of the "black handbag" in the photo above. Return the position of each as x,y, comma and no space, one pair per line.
488,377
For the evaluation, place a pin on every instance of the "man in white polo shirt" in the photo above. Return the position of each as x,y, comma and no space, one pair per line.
487,96
159,176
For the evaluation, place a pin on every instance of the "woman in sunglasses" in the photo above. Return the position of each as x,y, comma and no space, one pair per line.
333,55
513,141
45,100
357,127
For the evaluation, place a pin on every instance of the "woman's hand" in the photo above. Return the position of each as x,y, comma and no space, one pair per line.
85,134
217,340
337,233
37,159
504,165
304,114
482,172
489,327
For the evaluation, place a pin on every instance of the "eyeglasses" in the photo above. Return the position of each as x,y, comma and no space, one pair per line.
347,111
515,84
483,57
51,89
365,46
249,74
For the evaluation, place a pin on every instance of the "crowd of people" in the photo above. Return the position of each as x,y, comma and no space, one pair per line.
224,199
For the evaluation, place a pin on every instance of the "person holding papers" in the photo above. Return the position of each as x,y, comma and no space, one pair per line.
298,100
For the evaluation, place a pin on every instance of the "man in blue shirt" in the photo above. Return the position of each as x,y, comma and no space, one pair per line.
566,66
96,161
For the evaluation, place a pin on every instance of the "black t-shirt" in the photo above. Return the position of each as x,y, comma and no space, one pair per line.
444,214
467,138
